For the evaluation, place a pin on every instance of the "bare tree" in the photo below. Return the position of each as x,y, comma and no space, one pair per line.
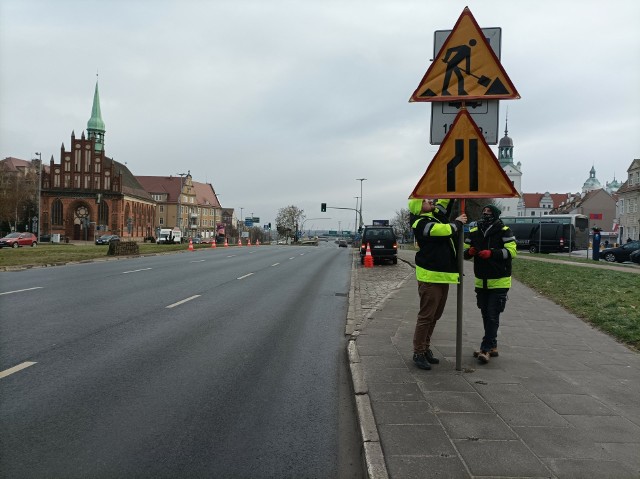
401,224
288,220
18,198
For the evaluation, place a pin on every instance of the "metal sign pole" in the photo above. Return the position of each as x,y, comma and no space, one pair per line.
460,248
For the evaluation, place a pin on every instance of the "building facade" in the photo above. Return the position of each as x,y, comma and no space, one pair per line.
628,204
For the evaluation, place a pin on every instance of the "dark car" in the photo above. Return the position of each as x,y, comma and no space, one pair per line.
14,240
621,253
105,239
635,256
382,241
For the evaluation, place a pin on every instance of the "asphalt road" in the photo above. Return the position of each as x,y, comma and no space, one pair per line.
217,363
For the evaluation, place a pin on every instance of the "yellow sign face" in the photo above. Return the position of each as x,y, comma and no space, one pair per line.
465,68
464,167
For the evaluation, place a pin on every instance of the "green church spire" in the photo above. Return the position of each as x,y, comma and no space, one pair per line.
95,125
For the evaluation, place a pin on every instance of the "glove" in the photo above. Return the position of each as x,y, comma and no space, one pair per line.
472,251
484,254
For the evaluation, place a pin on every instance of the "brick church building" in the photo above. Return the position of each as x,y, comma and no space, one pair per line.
88,194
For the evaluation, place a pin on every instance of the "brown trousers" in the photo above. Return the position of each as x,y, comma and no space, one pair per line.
433,297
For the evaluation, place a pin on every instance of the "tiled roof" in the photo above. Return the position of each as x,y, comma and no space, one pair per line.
532,200
158,185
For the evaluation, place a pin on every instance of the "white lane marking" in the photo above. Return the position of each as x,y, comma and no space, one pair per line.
182,302
21,290
293,257
15,369
231,256
136,270
245,276
275,264
301,254
199,261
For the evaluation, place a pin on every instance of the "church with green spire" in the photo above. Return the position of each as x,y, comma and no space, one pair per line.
86,194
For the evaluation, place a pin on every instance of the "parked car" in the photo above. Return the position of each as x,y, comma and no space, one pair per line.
105,239
621,253
14,240
382,241
635,256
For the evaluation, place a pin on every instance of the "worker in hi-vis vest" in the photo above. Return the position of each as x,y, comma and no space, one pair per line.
436,268
492,246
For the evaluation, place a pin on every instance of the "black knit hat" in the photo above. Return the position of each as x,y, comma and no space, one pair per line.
494,209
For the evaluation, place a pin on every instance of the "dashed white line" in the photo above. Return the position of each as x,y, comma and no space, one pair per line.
231,256
21,290
15,369
182,302
199,261
245,276
293,257
275,264
136,270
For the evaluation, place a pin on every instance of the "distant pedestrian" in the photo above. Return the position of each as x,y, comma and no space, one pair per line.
629,239
492,246
436,268
606,244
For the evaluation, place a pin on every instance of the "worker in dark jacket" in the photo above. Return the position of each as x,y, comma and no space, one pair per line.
492,246
436,268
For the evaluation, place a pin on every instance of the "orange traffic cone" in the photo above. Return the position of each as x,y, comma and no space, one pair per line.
239,241
368,259
257,242
249,242
213,242
190,244
226,243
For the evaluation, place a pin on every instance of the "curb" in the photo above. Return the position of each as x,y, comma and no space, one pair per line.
373,456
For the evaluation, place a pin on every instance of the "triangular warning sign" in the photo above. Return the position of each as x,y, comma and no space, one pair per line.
464,167
465,68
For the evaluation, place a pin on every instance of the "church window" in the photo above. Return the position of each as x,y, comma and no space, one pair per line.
56,179
76,182
56,212
107,180
103,213
67,164
96,181
76,162
87,182
87,161
67,181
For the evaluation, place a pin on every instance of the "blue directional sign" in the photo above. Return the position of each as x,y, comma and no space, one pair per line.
248,222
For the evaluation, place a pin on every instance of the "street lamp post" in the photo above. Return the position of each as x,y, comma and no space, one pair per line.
179,212
361,200
355,225
39,154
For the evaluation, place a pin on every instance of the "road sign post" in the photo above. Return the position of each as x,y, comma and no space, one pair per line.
465,73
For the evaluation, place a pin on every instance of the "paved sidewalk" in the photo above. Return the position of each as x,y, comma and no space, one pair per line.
561,401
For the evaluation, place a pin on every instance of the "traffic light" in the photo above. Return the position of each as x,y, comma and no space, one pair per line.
323,207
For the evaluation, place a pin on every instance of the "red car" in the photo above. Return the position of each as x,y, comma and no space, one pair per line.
13,240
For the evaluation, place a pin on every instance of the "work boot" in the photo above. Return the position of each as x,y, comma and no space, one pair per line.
493,353
421,361
483,357
430,357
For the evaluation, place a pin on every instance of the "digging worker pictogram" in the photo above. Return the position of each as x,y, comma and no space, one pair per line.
453,58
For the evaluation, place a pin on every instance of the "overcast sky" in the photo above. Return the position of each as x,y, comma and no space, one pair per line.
281,103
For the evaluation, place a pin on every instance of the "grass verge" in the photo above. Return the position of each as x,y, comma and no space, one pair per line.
63,253
609,300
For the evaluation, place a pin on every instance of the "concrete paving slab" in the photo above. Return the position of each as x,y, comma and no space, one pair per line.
606,428
476,426
561,442
581,468
500,458
534,414
395,392
419,467
403,412
456,401
415,440
576,404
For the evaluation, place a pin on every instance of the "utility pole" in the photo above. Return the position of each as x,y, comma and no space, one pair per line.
361,200
39,154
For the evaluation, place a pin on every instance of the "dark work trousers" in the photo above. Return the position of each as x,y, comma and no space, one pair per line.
433,297
491,303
